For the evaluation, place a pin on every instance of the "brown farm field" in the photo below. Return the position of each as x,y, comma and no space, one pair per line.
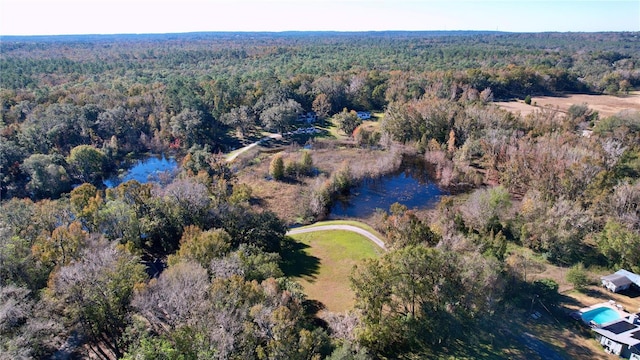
605,105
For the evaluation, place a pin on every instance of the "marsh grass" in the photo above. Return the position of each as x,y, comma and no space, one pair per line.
290,200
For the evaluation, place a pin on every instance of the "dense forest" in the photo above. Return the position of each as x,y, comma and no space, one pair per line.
194,268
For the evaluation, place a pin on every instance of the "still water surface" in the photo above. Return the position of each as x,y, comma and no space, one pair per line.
150,169
412,185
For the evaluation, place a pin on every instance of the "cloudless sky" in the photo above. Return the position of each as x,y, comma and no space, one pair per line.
55,17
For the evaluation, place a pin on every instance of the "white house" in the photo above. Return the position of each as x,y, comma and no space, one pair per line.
621,337
620,280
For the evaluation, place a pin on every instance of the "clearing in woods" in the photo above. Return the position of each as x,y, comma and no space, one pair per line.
323,263
605,105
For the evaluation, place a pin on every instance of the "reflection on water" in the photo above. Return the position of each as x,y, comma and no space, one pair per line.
411,186
151,169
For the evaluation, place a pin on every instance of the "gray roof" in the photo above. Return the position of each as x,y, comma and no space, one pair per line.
617,279
635,278
621,331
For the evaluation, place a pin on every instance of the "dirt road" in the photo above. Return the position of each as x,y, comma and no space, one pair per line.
234,154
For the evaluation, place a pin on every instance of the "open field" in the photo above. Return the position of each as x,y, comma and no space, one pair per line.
606,105
336,252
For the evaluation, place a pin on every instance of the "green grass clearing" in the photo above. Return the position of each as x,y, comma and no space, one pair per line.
324,262
333,131
357,224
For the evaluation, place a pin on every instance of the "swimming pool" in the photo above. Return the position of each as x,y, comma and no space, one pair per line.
600,315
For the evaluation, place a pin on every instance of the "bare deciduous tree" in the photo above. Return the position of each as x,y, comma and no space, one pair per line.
94,294
176,298
28,329
624,204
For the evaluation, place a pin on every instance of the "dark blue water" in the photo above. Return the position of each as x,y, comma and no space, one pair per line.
412,187
151,169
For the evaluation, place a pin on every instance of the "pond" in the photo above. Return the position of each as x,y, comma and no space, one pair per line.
150,169
411,186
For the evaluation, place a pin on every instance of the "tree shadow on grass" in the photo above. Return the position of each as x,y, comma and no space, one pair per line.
597,293
296,262
312,308
566,300
632,292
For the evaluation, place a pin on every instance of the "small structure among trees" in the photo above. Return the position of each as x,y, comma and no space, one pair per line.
309,117
364,115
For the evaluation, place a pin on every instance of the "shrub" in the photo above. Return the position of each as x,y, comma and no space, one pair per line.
306,164
527,100
276,168
577,276
320,199
292,169
342,179
547,289
302,168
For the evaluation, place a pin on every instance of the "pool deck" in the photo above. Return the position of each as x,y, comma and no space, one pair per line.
611,304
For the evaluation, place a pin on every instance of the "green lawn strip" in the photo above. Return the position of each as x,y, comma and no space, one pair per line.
357,224
332,130
232,153
337,251
371,124
377,115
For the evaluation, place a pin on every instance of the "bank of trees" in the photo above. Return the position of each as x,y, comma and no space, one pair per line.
134,96
416,299
193,270
85,263
566,181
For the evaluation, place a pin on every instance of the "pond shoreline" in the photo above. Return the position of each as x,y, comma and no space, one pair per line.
146,168
411,182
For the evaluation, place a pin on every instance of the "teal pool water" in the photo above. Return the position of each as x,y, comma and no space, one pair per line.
600,315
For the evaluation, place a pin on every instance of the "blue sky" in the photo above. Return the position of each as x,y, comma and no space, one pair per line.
49,17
